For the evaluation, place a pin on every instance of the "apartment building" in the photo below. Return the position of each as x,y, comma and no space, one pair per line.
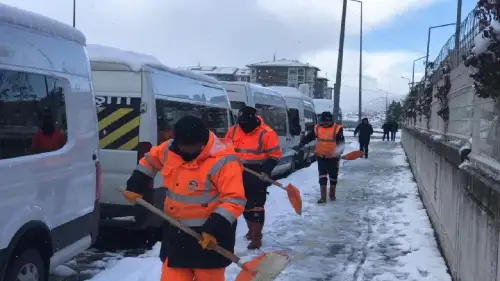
284,72
320,88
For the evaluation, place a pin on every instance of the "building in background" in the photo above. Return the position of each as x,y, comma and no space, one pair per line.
320,88
329,93
222,73
284,72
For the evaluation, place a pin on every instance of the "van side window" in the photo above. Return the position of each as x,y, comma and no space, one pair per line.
32,114
294,118
168,112
274,116
310,120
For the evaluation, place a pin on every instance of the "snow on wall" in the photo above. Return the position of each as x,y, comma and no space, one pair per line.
136,61
38,23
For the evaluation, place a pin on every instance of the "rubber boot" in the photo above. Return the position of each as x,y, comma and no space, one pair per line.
322,200
248,236
256,241
332,192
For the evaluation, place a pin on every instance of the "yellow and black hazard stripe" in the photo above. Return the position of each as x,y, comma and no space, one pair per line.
119,125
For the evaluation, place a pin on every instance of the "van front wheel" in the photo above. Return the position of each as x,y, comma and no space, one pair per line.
28,265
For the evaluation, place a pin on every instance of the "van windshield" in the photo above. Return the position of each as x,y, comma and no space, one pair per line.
168,112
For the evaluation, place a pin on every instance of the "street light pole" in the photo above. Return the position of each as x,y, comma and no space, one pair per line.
457,30
413,71
338,78
74,13
428,44
360,102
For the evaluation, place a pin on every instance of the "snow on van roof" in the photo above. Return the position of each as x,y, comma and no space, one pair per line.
136,61
41,24
289,92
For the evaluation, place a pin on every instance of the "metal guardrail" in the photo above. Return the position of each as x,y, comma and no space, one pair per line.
469,28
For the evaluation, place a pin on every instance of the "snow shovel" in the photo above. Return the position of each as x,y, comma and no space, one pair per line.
291,190
353,155
265,267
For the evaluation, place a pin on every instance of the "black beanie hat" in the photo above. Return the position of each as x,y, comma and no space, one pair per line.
326,116
190,130
247,114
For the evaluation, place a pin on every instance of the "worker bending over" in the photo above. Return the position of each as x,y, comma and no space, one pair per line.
203,183
329,148
257,147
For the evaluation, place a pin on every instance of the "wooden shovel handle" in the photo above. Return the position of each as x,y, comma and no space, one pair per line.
259,175
232,257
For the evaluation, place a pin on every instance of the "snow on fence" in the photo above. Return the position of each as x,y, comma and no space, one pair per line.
469,115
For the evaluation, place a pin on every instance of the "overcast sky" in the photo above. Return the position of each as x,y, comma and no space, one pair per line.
240,32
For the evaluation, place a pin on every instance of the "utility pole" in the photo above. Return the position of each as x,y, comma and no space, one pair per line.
74,13
360,61
338,78
457,30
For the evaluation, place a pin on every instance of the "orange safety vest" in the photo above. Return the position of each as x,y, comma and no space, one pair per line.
212,183
327,144
257,146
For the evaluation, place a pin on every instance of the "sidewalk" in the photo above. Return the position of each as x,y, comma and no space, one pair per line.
377,230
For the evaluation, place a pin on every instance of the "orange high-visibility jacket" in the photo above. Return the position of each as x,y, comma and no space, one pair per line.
257,146
327,144
212,183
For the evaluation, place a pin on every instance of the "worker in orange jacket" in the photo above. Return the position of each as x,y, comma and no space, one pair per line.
258,148
203,183
328,150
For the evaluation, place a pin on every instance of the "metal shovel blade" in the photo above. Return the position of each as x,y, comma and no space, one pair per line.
265,267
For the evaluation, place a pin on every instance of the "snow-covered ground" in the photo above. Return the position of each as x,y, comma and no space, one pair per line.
377,230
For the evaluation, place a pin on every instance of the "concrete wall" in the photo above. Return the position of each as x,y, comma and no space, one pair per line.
463,205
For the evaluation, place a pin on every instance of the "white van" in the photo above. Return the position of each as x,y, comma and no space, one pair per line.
139,100
271,105
49,183
302,115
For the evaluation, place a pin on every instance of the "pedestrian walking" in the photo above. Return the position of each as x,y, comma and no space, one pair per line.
394,129
365,131
387,129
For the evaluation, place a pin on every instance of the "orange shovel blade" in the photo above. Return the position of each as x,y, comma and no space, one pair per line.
294,198
353,155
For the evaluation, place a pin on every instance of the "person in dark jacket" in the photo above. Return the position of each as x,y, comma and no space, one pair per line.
394,129
365,131
328,151
386,128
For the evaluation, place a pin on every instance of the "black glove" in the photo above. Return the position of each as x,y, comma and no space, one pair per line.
297,148
268,166
215,225
138,182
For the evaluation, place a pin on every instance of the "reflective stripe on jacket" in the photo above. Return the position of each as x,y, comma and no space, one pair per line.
327,140
212,183
257,146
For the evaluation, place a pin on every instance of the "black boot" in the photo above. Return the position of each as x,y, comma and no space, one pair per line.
322,200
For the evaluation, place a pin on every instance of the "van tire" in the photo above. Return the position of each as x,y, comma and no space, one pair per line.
30,260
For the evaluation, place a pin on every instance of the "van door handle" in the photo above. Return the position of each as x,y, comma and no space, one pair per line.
94,156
